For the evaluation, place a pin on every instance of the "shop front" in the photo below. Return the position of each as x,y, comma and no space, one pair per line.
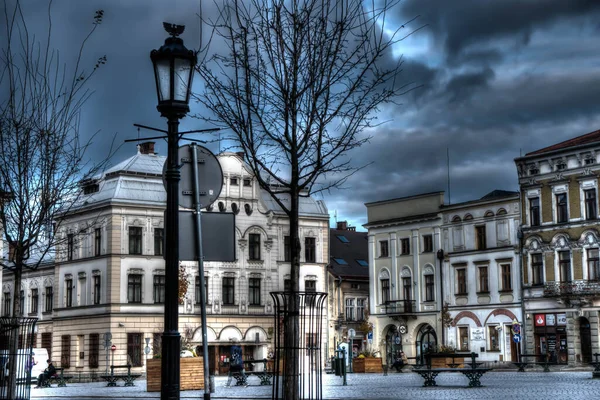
550,336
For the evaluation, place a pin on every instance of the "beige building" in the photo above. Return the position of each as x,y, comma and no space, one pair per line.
109,275
405,299
561,241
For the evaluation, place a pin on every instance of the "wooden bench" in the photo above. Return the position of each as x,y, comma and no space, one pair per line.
128,378
59,378
473,372
241,373
523,363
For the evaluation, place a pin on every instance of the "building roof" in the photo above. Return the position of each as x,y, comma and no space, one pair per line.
588,138
499,194
347,247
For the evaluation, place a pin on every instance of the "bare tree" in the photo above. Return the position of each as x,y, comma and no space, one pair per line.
298,85
43,161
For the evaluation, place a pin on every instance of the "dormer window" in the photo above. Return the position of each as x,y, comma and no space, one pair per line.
534,171
589,161
561,166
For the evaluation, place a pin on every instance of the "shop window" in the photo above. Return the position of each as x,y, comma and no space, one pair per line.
493,334
463,338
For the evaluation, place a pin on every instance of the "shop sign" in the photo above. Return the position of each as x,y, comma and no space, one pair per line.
550,320
561,319
540,319
477,334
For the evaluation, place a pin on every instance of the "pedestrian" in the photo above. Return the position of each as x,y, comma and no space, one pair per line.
48,372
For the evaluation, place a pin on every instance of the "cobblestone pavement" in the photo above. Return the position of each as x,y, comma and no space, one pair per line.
496,385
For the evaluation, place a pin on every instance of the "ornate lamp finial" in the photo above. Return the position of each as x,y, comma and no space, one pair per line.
173,30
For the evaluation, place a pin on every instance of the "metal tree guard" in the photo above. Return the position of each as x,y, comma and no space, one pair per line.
309,307
16,344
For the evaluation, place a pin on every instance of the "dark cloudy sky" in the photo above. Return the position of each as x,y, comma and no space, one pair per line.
499,79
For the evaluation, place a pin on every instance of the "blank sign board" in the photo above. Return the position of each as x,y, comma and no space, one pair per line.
218,236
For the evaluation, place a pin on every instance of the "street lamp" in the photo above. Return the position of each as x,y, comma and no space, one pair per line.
173,71
440,256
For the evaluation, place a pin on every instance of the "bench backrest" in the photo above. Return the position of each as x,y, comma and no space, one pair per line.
113,367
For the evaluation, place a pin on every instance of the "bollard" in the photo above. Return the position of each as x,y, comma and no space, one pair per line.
211,382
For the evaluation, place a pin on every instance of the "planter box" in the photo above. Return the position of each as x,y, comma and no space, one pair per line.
191,374
367,365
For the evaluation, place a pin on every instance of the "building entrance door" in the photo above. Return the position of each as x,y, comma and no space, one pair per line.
585,333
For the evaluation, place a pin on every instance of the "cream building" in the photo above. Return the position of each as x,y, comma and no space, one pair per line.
109,275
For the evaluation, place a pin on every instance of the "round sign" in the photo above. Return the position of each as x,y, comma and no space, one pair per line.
397,340
113,347
147,349
517,338
402,329
209,178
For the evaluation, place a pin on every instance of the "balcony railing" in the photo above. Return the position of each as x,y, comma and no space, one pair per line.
576,288
400,307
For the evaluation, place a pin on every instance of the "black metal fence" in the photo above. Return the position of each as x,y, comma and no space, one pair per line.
299,320
16,344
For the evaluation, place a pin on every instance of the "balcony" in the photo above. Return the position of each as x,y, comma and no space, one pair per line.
400,307
578,288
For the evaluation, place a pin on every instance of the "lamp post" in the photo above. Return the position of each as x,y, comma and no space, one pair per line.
173,72
440,256
523,344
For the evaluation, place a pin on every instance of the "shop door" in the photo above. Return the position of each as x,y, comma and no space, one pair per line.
211,359
224,359
585,334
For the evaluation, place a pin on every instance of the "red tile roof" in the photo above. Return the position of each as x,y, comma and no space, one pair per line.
591,137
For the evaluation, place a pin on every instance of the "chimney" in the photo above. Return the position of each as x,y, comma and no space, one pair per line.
146,148
342,225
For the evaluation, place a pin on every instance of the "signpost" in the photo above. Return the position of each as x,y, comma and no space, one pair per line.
516,331
370,337
113,348
107,343
351,335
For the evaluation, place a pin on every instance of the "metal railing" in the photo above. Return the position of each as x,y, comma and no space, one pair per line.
576,288
400,307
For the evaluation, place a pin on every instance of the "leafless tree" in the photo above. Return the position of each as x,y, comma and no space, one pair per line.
43,158
298,82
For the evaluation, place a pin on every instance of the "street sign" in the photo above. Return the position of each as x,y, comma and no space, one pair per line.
517,338
218,236
147,349
113,347
210,176
370,335
351,333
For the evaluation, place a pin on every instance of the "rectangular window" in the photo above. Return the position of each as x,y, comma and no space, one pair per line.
134,288
427,243
593,264
96,289
480,238
494,340
562,214
134,349
254,291
35,298
384,248
405,246
159,241
47,342
198,292
429,288
360,309
564,262
135,240
407,288
537,265
49,298
68,292
22,301
505,270
7,305
287,249
97,242
349,309
287,285
483,280
65,351
591,211
310,250
461,281
385,290
228,291
70,246
463,338
310,286
534,211
233,181
94,351
159,289
254,246
247,182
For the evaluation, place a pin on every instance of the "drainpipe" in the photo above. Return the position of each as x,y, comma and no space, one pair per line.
440,256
